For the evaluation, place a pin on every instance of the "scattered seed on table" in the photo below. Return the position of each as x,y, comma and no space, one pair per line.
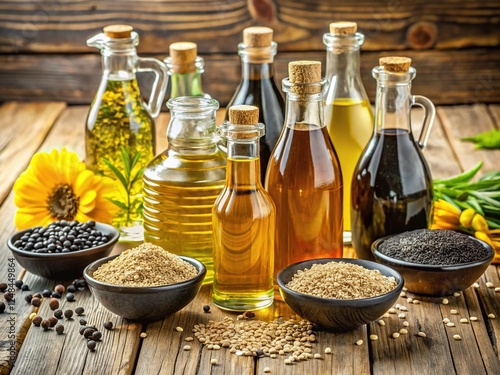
491,316
475,285
464,320
402,316
59,329
406,324
497,289
25,287
96,335
79,310
189,338
187,347
416,302
214,361
55,295
456,294
37,295
386,315
45,324
37,321
53,321
217,347
328,350
179,329
403,308
35,301
409,300
403,331
8,296
395,335
53,304
381,322
267,370
288,361
206,308
373,337
421,334
143,335
32,315
91,344
450,324
3,287
108,325
359,342
392,310
457,337
454,312
68,314
473,318
71,289
28,298
18,284
445,301
402,294
88,332
397,306
489,284
70,297
59,288
317,356
82,322
46,293
446,320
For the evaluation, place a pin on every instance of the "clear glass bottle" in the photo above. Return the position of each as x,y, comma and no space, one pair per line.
348,114
392,184
244,220
185,68
182,183
119,129
258,87
304,177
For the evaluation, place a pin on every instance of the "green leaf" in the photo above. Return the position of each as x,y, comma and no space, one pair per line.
462,177
120,204
475,204
137,176
488,139
126,161
116,172
135,160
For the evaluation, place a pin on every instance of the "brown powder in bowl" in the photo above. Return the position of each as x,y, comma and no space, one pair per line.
341,280
145,265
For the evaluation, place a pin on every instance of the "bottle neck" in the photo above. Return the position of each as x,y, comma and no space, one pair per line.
256,71
257,62
119,65
185,79
392,107
304,111
243,164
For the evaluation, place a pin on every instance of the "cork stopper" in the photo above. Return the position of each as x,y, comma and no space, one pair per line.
243,115
118,31
257,36
302,74
395,64
183,57
343,28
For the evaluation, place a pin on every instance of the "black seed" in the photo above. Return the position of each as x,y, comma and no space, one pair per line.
28,298
59,328
53,304
108,325
25,287
96,335
58,314
8,296
79,310
83,322
56,295
71,289
2,307
18,283
46,293
70,297
91,344
206,308
88,332
260,353
3,287
53,321
45,324
68,314
37,320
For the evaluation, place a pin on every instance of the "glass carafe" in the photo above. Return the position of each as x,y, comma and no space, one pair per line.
185,68
244,220
182,183
348,114
392,185
304,177
119,129
258,87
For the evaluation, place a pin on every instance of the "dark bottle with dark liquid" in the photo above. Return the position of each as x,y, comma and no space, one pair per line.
258,87
392,185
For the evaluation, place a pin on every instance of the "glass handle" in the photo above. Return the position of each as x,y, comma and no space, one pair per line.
429,115
149,64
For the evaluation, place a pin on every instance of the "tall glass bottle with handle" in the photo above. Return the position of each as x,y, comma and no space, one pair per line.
304,177
348,115
244,220
120,130
392,185
258,87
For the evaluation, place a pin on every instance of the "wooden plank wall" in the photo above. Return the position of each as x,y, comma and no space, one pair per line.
455,44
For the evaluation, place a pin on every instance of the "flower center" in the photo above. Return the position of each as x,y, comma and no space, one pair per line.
63,203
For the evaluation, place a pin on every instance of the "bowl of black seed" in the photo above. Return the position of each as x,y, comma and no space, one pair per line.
435,262
62,249
339,294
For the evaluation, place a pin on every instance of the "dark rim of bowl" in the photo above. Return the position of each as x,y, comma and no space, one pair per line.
102,286
431,267
367,301
105,228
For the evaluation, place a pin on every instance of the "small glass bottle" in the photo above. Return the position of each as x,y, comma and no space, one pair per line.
182,183
392,184
304,177
258,87
244,220
185,68
348,114
119,129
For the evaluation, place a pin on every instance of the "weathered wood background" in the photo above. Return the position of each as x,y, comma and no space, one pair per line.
455,44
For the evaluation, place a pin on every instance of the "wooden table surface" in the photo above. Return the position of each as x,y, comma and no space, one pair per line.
25,349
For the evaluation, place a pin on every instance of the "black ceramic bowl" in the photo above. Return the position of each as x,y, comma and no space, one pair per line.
145,303
337,314
60,266
432,280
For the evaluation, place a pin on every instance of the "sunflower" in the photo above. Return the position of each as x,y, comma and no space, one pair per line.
58,186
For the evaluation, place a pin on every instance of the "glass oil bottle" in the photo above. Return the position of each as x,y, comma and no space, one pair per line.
120,130
185,69
182,183
244,220
348,115
392,185
304,177
258,87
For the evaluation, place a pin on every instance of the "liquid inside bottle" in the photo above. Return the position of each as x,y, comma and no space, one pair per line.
348,114
392,185
244,224
182,183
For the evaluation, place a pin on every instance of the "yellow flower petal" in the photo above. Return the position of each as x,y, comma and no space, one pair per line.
479,223
466,217
87,201
444,205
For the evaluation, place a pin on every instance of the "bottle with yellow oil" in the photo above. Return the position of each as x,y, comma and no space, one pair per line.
244,220
348,114
182,183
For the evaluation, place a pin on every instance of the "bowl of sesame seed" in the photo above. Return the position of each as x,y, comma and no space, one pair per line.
339,294
434,262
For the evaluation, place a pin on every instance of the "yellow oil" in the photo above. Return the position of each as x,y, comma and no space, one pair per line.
179,194
244,219
305,183
350,125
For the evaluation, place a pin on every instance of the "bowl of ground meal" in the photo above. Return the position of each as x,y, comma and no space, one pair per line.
62,249
339,294
145,282
434,262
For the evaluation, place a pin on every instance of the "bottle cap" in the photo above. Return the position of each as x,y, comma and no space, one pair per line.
305,76
243,115
183,56
343,28
118,31
257,36
395,64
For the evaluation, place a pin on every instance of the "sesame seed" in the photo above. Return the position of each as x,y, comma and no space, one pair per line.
405,289
397,306
288,362
187,347
497,289
402,294
453,312
267,370
406,324
457,337
179,329
416,301
473,319
386,315
216,347
392,310
491,316
464,320
445,301
395,335
359,342
381,323
403,308
456,294
421,334
446,320
328,350
189,338
410,300
143,335
317,356
403,331
489,284
373,337
214,361
450,324
475,285
402,316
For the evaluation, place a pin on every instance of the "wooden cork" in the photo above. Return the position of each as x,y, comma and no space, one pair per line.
243,115
257,36
118,31
183,56
304,72
343,28
395,64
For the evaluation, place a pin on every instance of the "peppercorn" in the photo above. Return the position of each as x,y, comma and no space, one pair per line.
53,321
58,314
46,293
53,304
56,295
37,295
108,325
79,310
59,288
88,332
91,344
45,324
71,289
68,314
249,314
2,307
206,308
80,283
18,284
25,287
59,329
96,335
37,320
83,322
259,353
8,296
3,287
70,297
35,301
28,298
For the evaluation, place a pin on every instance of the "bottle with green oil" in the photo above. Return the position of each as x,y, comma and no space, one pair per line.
182,183
120,128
